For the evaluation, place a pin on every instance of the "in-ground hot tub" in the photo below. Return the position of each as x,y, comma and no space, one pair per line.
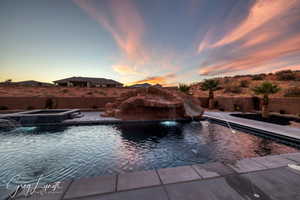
43,116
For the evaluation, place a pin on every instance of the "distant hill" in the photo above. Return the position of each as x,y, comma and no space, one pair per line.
241,85
26,83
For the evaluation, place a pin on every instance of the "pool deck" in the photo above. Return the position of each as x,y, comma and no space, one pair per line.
266,178
283,132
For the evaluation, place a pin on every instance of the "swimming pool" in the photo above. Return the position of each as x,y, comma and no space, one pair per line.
59,153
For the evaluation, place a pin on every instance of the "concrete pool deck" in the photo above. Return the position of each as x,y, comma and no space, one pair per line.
283,132
263,178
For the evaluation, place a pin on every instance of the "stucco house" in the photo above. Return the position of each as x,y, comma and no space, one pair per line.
87,82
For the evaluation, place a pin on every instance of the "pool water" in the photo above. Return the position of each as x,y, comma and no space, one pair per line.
60,153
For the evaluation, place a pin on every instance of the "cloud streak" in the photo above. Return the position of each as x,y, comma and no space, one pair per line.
269,35
260,14
125,70
123,21
163,80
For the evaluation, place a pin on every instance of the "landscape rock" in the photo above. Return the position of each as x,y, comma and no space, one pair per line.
154,103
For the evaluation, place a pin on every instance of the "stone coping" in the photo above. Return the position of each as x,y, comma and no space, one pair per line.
275,134
141,181
288,134
105,122
47,112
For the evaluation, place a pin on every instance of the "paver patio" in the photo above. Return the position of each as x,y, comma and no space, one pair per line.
267,178
137,180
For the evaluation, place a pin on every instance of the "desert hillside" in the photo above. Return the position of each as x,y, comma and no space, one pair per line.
288,81
53,91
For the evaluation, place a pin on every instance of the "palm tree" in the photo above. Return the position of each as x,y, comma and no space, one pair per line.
184,88
265,89
211,85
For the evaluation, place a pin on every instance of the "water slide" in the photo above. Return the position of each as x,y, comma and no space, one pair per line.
192,109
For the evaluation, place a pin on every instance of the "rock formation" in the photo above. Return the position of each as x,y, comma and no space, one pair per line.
154,103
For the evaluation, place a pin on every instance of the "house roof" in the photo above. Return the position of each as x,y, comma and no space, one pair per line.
28,83
144,85
140,85
32,82
89,79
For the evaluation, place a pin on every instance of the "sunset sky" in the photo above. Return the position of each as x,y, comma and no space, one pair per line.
155,41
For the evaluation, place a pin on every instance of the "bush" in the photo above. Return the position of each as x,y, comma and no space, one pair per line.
236,107
95,107
216,104
286,75
282,112
292,92
3,108
184,88
102,93
30,108
65,91
49,104
244,83
232,88
258,77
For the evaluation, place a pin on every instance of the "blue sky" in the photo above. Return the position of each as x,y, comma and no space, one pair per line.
155,41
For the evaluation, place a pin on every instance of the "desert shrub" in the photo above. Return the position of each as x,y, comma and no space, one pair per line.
65,91
282,112
292,92
216,104
102,93
49,104
232,88
236,107
3,108
95,107
286,75
30,108
258,77
244,83
184,88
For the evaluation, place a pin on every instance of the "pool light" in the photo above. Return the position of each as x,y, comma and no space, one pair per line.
169,123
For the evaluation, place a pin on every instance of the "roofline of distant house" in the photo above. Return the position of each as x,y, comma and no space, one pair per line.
92,79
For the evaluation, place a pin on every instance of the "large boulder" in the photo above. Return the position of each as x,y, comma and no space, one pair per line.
154,103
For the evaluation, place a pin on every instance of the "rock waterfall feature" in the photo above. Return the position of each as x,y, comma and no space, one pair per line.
154,104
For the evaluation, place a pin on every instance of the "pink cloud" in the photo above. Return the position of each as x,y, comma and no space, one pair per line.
125,70
123,21
260,14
